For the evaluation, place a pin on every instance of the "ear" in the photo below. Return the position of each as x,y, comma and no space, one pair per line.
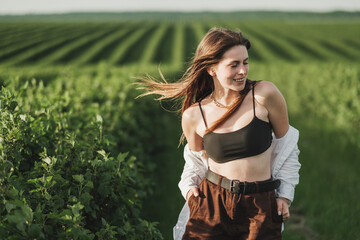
211,71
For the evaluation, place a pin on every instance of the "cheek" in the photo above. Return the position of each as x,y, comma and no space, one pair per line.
229,74
224,73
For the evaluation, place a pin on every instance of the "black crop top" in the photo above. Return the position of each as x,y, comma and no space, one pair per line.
251,140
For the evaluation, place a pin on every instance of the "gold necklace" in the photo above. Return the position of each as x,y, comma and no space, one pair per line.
220,104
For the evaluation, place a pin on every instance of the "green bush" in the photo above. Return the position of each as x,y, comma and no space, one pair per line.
58,178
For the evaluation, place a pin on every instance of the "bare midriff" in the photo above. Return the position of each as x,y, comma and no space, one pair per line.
250,169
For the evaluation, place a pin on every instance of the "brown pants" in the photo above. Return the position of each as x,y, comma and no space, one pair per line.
219,214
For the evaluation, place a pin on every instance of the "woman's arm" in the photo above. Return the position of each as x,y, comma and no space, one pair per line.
268,95
274,102
193,171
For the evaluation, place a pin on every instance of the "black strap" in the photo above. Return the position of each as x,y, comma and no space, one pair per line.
253,86
202,114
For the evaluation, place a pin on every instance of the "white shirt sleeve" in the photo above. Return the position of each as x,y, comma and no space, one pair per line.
194,170
285,163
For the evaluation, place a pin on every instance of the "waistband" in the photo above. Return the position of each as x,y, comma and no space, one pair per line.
235,186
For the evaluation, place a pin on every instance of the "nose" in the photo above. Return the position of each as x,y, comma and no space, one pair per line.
242,69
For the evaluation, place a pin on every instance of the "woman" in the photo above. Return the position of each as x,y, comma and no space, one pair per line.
231,124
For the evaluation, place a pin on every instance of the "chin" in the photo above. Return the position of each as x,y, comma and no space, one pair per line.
240,86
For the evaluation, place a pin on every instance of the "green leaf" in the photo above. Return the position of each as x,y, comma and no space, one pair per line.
47,160
89,184
79,178
35,190
27,211
66,217
23,117
103,221
72,198
121,157
35,181
47,196
85,198
13,193
17,219
21,226
99,118
76,209
45,180
102,153
9,206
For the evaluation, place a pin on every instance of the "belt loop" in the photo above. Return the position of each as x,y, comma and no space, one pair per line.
257,186
219,182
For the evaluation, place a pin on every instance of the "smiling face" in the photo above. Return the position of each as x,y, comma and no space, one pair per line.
231,72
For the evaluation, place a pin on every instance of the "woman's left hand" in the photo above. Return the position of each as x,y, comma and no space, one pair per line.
283,207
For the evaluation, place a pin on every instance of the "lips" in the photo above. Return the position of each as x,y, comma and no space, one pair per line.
240,79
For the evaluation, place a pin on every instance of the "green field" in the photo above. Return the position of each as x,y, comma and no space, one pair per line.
71,80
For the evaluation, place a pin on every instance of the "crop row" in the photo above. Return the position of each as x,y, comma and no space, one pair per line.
161,42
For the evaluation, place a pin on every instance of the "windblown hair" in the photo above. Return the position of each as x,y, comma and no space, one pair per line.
196,83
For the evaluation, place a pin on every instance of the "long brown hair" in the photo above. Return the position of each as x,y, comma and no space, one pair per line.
196,83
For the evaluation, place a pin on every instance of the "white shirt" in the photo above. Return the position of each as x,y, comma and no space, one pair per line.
284,165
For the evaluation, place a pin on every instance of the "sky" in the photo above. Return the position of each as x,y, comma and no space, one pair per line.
62,6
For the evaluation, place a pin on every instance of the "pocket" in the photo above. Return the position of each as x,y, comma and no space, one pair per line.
193,204
198,203
190,200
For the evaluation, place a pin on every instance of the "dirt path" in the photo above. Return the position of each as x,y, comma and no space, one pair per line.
297,224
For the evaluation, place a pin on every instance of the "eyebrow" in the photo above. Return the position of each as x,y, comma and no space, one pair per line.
236,61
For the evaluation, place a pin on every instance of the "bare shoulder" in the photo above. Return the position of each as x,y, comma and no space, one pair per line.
191,114
275,103
266,88
189,122
266,92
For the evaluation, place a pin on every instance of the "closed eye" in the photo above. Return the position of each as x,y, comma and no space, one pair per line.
235,64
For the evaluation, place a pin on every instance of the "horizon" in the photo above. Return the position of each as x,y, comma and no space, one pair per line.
25,7
180,12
